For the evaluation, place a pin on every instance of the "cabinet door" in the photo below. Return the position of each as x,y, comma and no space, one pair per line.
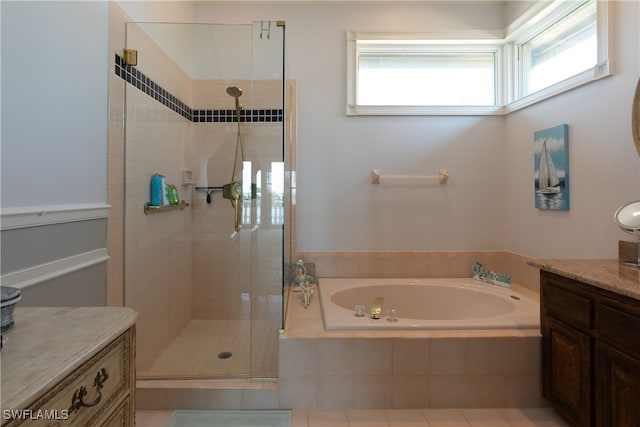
617,388
566,361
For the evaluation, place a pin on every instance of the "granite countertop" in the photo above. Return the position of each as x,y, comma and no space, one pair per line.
48,343
608,274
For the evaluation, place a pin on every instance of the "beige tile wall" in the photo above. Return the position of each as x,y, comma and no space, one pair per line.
417,369
157,246
476,370
377,373
349,370
224,268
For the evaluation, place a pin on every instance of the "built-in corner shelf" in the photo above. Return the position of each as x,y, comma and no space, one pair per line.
148,209
187,178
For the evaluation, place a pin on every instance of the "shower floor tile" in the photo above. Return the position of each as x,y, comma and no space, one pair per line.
219,348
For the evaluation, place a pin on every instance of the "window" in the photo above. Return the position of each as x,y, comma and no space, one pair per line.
277,192
564,49
252,189
425,75
396,74
552,48
556,47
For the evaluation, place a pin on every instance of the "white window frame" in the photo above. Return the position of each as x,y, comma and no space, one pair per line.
505,43
534,21
434,42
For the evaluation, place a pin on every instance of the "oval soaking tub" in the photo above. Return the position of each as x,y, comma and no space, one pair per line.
447,303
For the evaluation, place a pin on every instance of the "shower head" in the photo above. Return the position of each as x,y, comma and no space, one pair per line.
234,91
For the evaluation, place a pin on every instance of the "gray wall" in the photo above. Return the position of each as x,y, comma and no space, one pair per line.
54,149
37,256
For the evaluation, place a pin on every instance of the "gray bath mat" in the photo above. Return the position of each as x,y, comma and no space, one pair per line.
188,418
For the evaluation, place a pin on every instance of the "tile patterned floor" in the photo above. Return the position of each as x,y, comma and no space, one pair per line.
500,417
194,352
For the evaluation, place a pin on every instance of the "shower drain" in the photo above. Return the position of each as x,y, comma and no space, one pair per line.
225,355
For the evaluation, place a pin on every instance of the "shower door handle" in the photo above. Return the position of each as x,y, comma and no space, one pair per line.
237,205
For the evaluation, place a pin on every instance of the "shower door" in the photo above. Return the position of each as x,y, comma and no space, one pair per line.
206,279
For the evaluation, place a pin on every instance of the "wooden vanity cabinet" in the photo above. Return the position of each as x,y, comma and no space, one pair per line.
590,353
567,347
69,367
617,371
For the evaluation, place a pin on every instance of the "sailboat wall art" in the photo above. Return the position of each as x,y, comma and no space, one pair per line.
551,166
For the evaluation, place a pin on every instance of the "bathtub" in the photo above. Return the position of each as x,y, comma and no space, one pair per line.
434,304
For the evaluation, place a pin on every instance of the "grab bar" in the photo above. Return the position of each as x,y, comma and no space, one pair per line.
378,178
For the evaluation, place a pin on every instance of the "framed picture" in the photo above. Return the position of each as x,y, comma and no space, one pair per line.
551,166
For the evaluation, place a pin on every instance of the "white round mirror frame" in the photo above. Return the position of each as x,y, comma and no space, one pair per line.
627,217
635,118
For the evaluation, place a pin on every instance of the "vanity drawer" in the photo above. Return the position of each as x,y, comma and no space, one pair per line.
619,328
121,416
89,393
574,310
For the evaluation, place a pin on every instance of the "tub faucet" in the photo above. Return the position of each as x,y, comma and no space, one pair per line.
376,308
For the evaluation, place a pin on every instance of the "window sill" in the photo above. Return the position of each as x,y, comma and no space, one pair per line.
422,110
596,73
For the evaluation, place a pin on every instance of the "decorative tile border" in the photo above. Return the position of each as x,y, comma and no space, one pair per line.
263,115
136,78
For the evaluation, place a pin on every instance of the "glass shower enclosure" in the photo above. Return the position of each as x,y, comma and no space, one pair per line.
205,109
